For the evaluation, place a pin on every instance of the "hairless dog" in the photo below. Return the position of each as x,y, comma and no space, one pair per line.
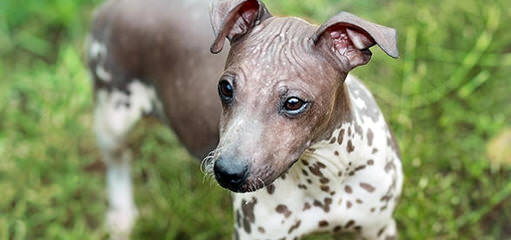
301,143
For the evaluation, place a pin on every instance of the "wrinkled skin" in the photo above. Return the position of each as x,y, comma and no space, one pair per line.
253,127
271,60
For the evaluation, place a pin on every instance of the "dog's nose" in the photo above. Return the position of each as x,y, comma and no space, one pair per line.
230,173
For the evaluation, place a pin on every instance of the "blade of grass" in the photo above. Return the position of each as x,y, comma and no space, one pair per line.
476,82
470,60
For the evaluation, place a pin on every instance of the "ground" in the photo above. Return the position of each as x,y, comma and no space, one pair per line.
446,98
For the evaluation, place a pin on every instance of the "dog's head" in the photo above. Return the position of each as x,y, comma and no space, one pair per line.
282,87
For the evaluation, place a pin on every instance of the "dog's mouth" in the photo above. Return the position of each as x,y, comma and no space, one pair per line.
251,185
241,176
257,180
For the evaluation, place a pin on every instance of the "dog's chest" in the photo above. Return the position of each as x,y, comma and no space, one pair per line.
336,184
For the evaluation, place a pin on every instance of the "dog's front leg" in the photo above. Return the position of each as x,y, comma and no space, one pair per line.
112,123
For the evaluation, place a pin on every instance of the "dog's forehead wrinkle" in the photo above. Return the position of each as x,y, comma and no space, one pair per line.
281,41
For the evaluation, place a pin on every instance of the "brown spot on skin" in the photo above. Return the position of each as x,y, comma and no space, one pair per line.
316,171
348,189
270,188
294,227
370,162
248,209
336,153
248,213
367,187
359,201
305,162
324,180
349,131
394,146
261,230
282,209
370,137
333,140
323,223
389,166
325,205
383,208
380,232
348,204
349,224
339,174
246,226
309,181
375,150
341,137
360,168
332,193
337,228
359,130
386,198
305,172
358,228
301,186
350,148
373,209
306,206
238,218
325,188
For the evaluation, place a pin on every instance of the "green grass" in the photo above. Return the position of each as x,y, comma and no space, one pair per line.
446,97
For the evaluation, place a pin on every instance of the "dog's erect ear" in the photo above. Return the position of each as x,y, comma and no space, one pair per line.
232,19
349,38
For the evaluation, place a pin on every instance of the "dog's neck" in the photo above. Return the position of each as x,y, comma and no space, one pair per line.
339,152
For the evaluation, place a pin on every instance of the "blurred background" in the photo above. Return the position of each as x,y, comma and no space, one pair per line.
448,99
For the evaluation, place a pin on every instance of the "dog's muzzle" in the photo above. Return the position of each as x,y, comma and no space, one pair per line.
231,173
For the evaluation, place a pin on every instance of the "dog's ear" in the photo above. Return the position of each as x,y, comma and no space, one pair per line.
348,38
232,19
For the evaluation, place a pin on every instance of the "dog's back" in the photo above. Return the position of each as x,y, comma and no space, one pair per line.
162,44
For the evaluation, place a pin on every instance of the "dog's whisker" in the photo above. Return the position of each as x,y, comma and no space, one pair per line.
262,183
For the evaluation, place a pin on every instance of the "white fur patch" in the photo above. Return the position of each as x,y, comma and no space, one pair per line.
122,212
117,112
103,74
98,52
96,49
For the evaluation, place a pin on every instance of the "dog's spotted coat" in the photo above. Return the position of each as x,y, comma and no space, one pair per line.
347,183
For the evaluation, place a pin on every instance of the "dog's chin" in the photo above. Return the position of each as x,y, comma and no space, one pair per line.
251,185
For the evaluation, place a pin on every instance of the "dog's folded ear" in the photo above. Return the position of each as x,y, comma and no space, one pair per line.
232,19
349,38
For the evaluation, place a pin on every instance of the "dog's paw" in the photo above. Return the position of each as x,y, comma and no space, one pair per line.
120,222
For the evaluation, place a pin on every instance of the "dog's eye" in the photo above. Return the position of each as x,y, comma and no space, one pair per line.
226,91
294,106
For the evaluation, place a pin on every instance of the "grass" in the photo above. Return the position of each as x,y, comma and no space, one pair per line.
446,98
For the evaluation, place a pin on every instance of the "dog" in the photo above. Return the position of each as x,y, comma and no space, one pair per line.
301,143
